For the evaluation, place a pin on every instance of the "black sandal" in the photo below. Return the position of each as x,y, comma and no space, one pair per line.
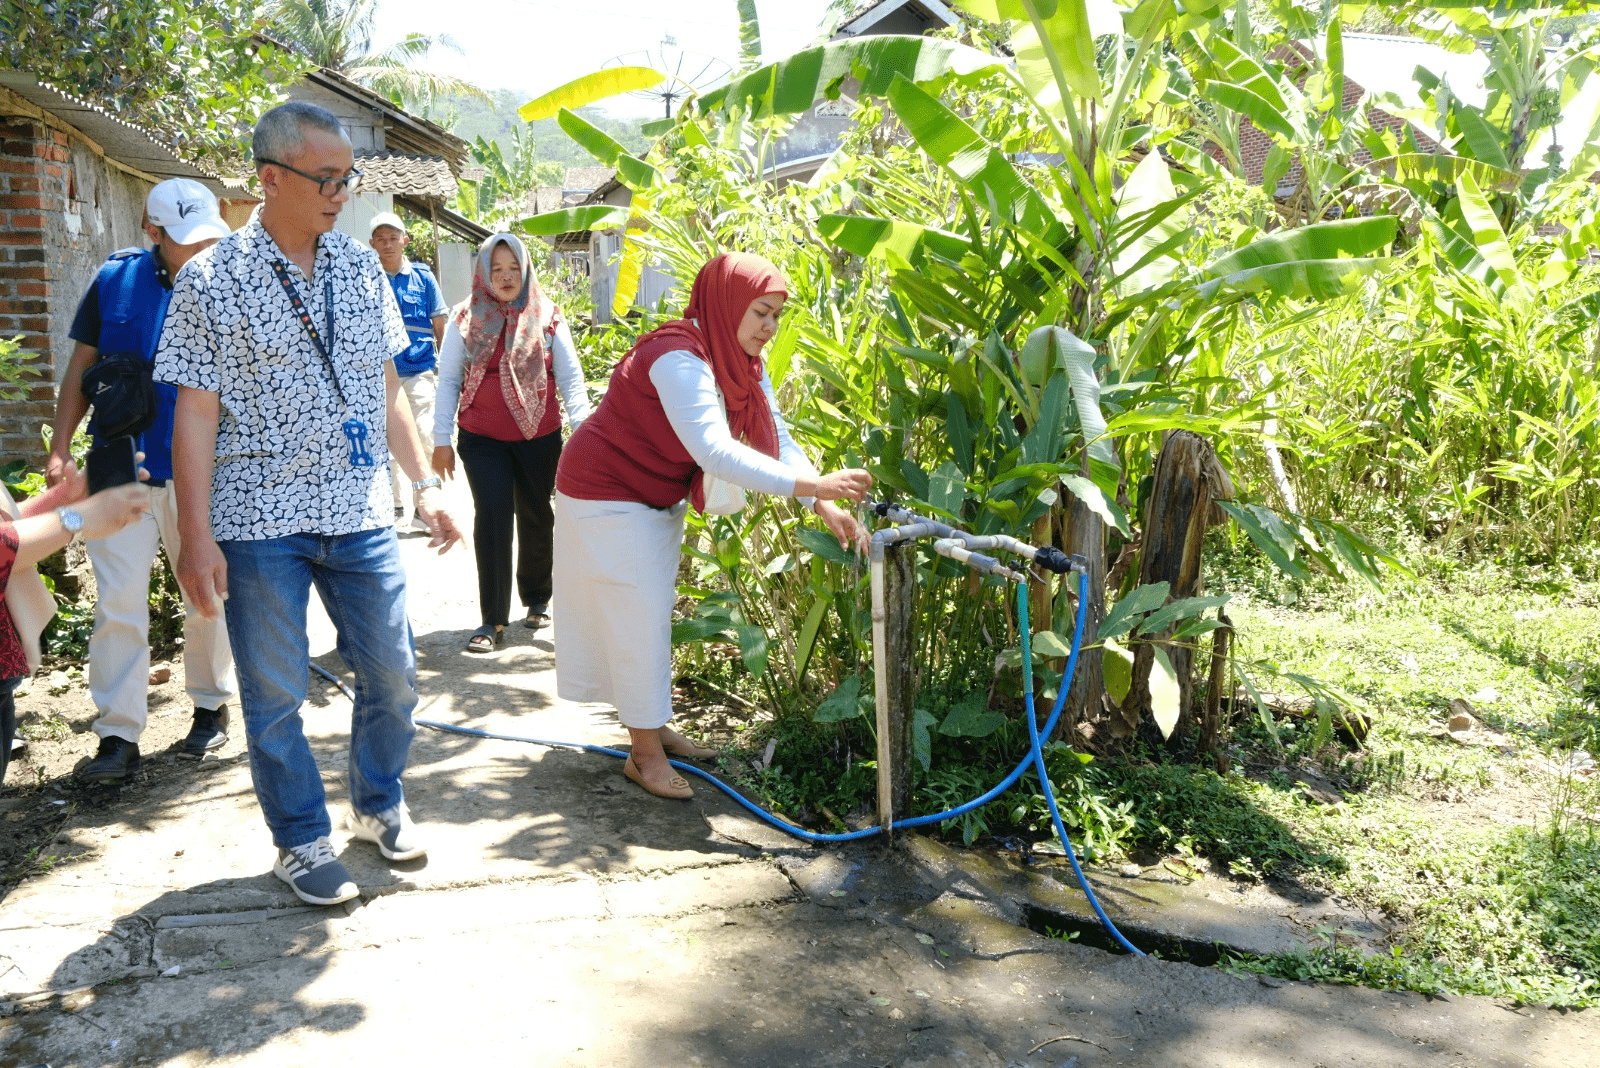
485,638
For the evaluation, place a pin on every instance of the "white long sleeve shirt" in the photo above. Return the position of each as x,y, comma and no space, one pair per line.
564,363
688,391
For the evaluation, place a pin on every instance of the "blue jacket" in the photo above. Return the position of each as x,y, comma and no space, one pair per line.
133,307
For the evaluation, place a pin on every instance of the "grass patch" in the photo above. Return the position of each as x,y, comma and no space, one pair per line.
1481,861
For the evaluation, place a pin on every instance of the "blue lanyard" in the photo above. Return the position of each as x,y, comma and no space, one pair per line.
323,350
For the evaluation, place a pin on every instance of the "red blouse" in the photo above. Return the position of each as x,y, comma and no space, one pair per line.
489,415
13,661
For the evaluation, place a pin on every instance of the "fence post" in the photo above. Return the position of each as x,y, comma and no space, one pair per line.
895,677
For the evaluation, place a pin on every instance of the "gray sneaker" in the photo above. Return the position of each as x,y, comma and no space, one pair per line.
315,874
392,830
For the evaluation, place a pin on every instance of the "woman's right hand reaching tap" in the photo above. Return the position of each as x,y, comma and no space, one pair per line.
852,483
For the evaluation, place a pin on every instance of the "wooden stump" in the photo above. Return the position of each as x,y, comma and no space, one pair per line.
1216,682
1084,534
1187,482
899,675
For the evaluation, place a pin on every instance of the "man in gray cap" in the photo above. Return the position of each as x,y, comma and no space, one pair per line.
123,311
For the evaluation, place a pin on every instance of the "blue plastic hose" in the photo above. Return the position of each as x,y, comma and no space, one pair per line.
1034,758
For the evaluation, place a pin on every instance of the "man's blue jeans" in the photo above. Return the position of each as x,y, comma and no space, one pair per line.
362,585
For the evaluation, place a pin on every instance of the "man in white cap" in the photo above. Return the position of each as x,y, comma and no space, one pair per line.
423,308
123,311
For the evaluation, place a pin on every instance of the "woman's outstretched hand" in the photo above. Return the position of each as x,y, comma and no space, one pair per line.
850,484
444,461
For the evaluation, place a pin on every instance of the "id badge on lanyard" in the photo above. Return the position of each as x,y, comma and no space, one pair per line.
355,431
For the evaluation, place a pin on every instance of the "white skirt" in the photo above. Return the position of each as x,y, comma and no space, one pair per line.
616,577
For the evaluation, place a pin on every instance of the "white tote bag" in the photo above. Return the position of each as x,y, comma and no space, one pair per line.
722,496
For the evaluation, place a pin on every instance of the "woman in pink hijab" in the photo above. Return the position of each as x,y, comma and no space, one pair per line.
506,352
629,473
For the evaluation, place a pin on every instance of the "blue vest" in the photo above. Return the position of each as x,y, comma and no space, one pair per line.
133,307
416,293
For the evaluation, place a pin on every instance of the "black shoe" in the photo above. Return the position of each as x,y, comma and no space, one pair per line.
208,732
115,761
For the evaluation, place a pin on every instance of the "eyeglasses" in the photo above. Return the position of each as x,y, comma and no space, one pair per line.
328,187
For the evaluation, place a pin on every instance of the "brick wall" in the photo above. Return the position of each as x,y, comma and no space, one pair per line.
32,177
63,209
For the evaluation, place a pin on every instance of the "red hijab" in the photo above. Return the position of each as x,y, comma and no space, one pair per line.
709,328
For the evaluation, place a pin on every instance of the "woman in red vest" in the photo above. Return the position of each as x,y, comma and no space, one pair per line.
624,481
506,351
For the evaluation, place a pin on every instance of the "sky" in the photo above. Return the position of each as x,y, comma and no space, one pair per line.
533,46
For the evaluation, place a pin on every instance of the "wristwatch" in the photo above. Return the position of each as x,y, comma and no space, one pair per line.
426,483
71,521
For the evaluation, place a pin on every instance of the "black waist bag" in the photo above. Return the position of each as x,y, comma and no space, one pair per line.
123,395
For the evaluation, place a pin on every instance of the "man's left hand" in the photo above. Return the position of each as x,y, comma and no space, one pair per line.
441,524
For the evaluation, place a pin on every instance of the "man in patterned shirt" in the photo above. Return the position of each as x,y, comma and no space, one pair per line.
281,340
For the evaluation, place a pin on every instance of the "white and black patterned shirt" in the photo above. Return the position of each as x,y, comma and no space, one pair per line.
283,463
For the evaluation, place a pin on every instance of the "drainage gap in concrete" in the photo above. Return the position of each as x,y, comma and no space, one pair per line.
1054,924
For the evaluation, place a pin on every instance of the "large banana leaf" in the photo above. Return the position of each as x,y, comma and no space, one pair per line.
1250,89
950,142
1318,261
1055,51
612,81
634,172
1141,263
866,236
1490,238
1320,241
572,220
792,85
1484,141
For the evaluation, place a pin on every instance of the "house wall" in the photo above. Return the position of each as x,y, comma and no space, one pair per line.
63,209
364,124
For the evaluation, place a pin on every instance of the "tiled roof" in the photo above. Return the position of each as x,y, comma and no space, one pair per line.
1254,144
423,177
585,179
543,199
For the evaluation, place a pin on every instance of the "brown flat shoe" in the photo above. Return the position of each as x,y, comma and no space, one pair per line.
676,788
677,745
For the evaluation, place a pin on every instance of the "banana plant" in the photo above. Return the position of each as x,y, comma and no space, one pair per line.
1043,318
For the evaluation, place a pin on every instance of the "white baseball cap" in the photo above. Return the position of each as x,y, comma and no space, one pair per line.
385,218
186,210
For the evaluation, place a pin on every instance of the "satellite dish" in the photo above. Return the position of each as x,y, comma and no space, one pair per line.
687,72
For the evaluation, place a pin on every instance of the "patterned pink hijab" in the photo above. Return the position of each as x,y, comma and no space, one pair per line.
528,322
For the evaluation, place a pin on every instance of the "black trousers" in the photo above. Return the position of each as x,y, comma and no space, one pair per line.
511,484
8,721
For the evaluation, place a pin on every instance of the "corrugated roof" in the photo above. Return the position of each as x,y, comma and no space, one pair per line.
133,146
423,177
401,130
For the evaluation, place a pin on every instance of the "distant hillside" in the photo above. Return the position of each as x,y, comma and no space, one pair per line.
494,122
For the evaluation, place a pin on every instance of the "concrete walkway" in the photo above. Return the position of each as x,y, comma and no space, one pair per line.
563,917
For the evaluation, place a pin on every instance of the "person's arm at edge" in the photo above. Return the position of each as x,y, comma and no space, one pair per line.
569,376
406,450
202,570
446,400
